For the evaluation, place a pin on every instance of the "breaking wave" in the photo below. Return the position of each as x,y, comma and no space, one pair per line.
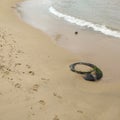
96,27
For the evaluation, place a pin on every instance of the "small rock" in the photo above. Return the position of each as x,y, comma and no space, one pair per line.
76,33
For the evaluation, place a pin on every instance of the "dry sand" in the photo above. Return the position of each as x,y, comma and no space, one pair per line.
35,80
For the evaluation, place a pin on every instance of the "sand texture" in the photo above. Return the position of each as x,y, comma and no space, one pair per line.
37,84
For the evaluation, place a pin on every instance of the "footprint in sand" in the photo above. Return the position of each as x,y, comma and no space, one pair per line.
28,66
17,64
56,95
18,85
45,79
35,87
56,118
57,37
80,111
31,73
42,102
10,78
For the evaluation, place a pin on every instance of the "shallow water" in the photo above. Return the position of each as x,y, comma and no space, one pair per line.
104,12
101,16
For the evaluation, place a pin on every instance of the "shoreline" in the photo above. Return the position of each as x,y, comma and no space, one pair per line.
83,23
36,81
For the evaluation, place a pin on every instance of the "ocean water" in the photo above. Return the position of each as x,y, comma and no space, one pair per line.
101,16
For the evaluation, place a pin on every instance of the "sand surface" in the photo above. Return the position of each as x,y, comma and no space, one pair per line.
37,84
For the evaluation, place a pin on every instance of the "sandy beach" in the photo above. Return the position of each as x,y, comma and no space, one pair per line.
36,82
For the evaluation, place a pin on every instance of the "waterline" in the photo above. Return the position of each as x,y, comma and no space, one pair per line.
96,27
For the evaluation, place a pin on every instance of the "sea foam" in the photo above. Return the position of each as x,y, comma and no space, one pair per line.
96,27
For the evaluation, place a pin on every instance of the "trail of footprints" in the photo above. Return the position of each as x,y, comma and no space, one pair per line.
10,64
11,69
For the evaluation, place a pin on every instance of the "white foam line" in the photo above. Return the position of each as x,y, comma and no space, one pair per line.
96,27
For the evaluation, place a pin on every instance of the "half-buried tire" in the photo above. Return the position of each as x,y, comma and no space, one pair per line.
91,75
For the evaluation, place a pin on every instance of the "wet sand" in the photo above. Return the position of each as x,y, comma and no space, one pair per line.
36,82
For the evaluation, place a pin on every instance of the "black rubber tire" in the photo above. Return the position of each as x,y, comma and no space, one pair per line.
92,75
